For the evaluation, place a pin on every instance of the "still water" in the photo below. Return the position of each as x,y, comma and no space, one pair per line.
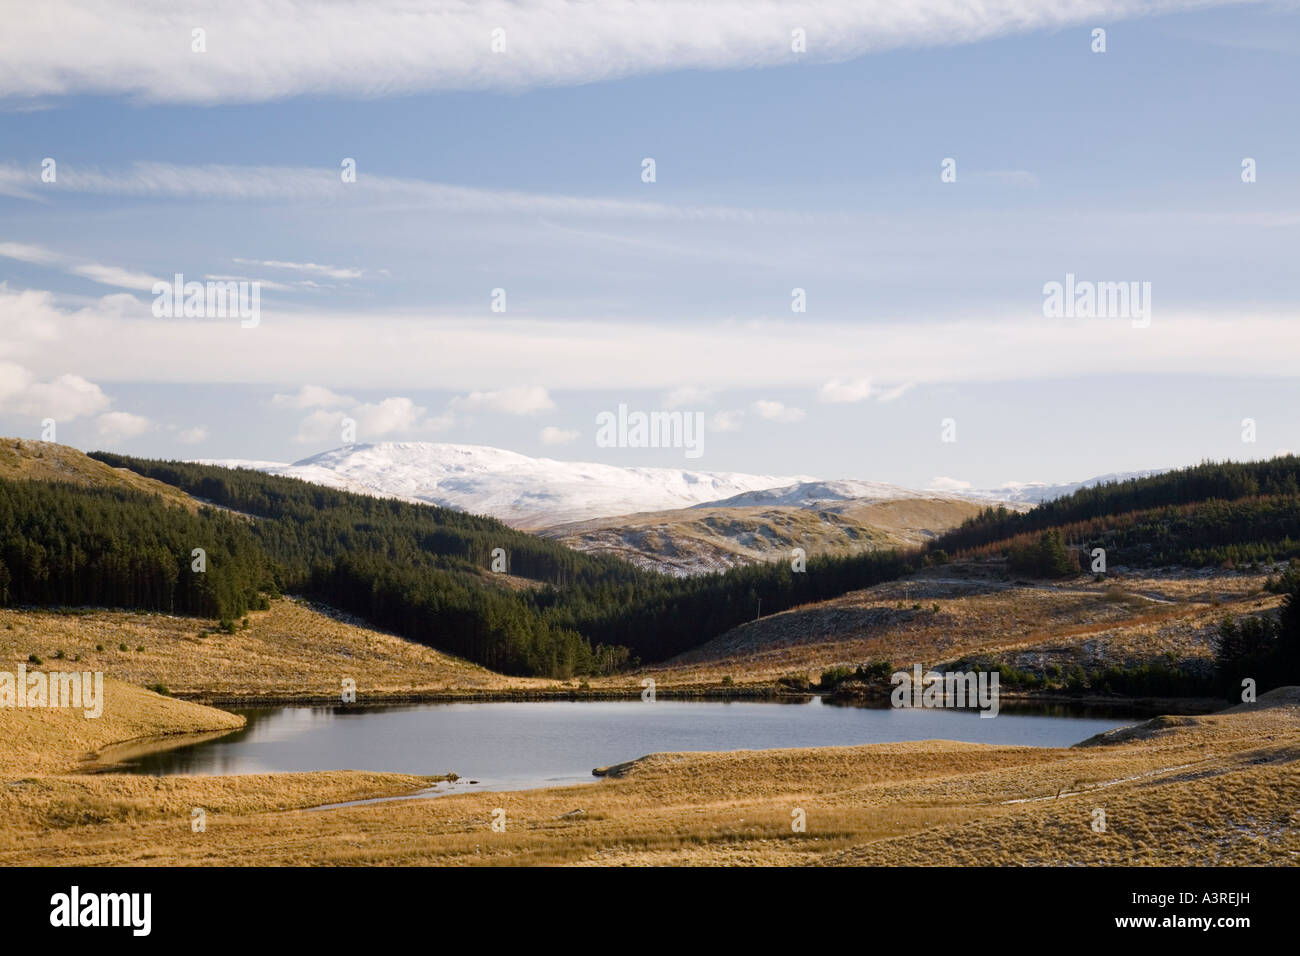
515,746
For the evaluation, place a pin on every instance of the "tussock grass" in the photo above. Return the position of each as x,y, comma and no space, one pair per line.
1222,788
294,650
54,739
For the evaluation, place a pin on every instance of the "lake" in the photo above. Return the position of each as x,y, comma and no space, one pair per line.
520,745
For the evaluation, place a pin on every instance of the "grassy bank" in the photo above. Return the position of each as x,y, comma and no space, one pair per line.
1221,789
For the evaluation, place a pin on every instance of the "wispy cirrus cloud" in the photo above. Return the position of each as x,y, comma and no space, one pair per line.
146,49
290,184
94,271
332,272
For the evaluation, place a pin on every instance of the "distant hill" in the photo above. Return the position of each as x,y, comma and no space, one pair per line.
524,492
427,573
1036,492
710,538
815,494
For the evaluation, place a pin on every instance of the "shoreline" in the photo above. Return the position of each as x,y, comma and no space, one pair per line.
764,693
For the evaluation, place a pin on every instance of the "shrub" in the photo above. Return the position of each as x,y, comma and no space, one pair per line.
33,659
1048,558
833,676
160,689
873,671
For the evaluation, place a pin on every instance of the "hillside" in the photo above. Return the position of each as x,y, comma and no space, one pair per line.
429,574
23,459
945,615
1209,514
710,538
294,650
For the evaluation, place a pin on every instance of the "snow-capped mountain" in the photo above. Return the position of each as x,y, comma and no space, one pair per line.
813,494
1036,492
522,491
534,493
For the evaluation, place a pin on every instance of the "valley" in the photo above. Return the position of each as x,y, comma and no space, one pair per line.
1139,635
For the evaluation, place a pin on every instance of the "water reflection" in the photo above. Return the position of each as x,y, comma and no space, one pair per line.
517,745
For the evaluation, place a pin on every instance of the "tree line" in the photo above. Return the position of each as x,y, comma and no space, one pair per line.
424,572
1210,514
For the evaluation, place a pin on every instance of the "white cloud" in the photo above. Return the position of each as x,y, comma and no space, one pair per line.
774,411
388,416
333,272
94,271
550,435
374,420
193,436
119,426
64,398
320,426
837,391
895,393
116,339
311,396
728,421
320,184
264,283
113,275
26,253
269,50
517,400
689,395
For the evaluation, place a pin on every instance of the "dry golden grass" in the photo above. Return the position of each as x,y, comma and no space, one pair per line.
692,540
54,739
1216,789
46,461
293,651
1025,624
297,651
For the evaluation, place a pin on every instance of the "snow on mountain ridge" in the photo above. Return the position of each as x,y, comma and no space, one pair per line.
534,493
810,494
1036,492
522,491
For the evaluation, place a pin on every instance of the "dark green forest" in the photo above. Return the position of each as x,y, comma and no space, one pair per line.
1213,514
1264,648
63,544
424,572
417,570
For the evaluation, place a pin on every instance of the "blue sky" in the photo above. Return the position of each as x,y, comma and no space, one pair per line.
521,171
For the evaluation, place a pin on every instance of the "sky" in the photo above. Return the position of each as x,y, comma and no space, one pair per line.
502,268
